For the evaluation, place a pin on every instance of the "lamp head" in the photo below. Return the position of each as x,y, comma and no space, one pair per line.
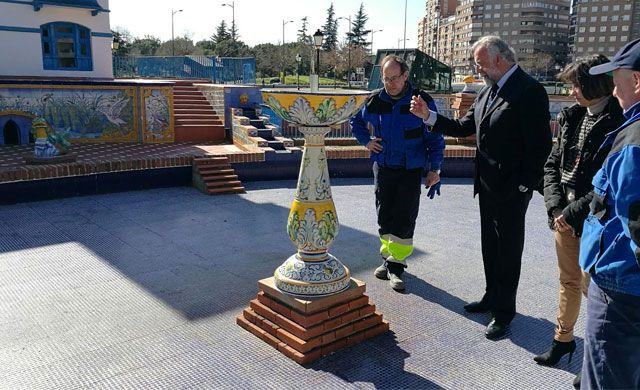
317,39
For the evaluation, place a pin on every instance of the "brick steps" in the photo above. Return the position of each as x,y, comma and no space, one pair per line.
195,119
307,330
198,121
214,175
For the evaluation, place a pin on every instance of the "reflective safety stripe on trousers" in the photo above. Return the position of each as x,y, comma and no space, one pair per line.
399,248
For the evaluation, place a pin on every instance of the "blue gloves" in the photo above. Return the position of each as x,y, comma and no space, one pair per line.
433,190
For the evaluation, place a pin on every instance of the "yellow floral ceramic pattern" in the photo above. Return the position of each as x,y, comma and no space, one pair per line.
312,226
314,109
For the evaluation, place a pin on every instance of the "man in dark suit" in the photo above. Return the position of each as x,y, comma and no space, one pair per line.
510,118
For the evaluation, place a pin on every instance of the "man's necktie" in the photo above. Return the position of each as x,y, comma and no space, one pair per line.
494,92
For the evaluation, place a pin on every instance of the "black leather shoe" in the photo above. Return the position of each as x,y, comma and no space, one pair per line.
496,329
557,351
477,307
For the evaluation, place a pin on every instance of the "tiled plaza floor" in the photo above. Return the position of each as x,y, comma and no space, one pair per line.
141,289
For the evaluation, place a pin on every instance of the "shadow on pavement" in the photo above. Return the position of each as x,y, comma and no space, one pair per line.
523,329
379,361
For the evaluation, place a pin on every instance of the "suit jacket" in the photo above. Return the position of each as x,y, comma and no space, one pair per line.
513,136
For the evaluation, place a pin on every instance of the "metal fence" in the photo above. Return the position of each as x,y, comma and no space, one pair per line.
222,70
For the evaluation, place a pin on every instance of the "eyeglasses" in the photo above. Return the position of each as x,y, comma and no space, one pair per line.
392,79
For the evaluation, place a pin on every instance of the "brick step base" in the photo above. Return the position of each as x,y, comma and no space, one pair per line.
188,98
191,100
305,330
198,121
198,133
195,111
214,175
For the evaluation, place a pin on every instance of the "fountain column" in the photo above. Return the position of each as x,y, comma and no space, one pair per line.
311,306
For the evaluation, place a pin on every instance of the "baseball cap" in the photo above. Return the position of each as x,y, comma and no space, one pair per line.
626,58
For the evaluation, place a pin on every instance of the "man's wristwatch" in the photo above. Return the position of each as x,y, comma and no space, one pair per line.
435,170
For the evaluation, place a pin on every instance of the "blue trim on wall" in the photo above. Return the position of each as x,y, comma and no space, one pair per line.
101,35
38,4
20,29
17,2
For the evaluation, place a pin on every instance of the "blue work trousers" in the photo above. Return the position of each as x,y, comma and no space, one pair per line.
612,340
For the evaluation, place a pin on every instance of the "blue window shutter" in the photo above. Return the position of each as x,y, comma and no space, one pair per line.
71,37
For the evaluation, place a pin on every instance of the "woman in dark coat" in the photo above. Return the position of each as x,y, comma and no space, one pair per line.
574,159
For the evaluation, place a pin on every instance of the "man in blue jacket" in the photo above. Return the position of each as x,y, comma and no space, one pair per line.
610,244
403,150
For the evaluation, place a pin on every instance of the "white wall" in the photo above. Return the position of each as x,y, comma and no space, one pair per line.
21,52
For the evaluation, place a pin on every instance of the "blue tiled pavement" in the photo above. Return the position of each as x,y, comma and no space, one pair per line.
141,289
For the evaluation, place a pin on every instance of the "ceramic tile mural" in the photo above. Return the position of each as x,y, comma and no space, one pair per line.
89,114
156,116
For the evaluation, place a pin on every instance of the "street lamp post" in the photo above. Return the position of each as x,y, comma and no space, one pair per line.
404,40
437,54
173,42
298,60
348,50
314,79
373,31
404,37
233,19
284,23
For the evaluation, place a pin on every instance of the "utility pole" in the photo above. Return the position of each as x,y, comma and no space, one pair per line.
284,23
348,50
173,41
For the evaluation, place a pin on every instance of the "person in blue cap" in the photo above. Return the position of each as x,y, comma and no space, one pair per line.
610,244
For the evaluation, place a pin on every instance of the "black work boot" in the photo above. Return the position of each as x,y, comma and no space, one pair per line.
395,270
381,272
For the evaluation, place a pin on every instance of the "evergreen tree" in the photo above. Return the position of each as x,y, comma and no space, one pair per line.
222,33
303,36
330,31
233,32
358,34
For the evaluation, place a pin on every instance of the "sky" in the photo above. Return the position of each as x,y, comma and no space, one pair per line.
261,21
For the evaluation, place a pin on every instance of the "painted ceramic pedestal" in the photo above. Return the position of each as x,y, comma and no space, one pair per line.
311,307
313,222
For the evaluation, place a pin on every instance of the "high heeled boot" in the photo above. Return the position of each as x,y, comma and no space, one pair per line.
558,350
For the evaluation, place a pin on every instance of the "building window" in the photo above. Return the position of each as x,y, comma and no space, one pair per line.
66,46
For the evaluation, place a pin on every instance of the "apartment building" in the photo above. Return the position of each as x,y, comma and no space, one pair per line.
604,26
428,26
537,30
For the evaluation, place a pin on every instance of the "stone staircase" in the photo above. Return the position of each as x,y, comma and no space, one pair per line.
195,119
214,175
250,128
